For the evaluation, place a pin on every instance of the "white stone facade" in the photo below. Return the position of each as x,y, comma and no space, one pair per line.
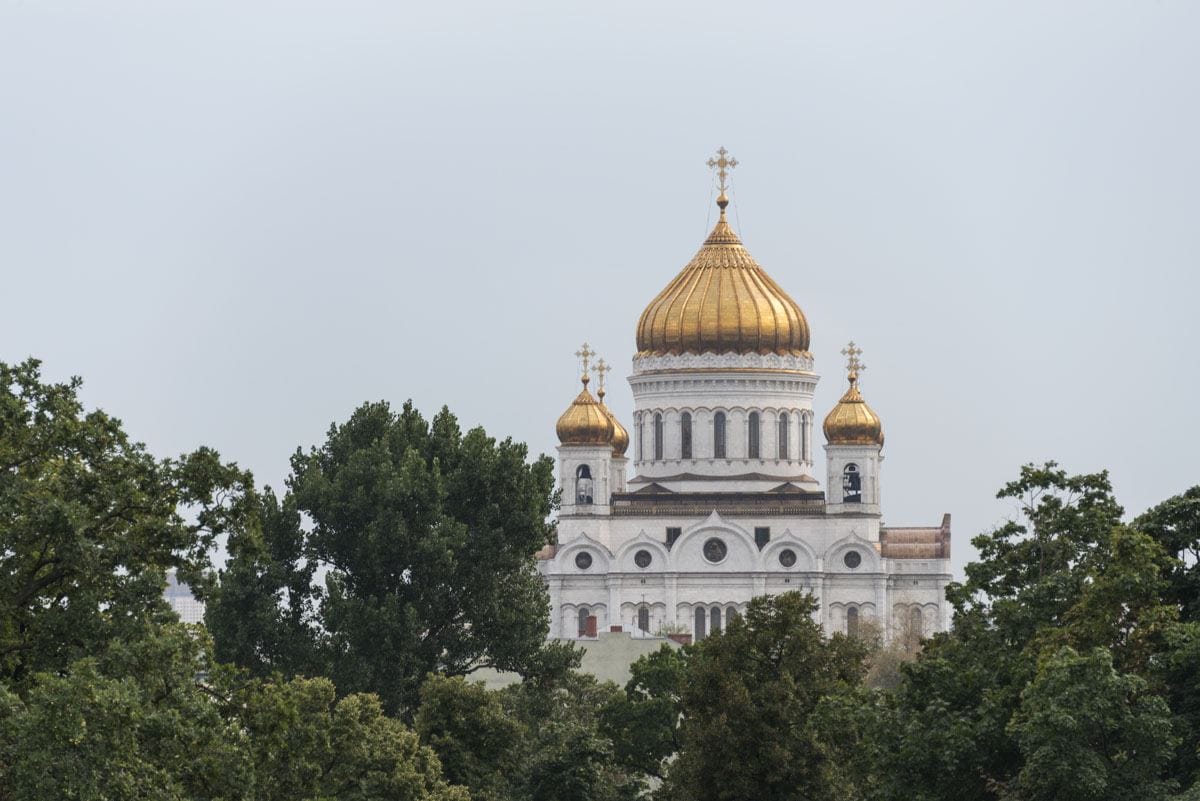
641,554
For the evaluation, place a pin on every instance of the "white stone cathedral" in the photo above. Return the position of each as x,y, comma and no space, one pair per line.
723,505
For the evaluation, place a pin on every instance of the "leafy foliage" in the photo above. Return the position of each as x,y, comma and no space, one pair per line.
1066,655
539,740
90,523
428,535
749,704
1089,733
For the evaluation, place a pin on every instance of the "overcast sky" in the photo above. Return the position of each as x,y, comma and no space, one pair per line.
239,220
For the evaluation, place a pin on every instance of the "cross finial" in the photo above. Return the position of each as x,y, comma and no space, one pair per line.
585,354
723,163
602,369
853,365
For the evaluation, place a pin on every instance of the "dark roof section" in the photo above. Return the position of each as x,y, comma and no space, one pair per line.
654,500
800,479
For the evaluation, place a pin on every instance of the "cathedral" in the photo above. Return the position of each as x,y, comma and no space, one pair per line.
724,503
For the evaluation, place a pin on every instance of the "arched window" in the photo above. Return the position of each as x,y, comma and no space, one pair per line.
715,624
784,417
852,621
851,484
755,435
685,436
731,614
915,622
584,614
701,620
641,429
719,435
658,437
644,619
804,454
583,485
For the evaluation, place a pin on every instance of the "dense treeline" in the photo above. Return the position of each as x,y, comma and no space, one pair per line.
342,634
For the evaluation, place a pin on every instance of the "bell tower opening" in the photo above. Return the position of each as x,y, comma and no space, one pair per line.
583,485
851,484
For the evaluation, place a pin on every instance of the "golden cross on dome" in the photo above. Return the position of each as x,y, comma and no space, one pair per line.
853,365
585,354
723,163
602,369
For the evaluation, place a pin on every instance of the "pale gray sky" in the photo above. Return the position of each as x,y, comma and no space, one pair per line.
239,220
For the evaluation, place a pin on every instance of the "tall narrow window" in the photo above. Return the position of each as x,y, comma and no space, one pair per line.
658,437
641,427
915,623
852,621
731,614
783,434
685,436
715,626
701,620
755,435
804,454
644,619
851,484
673,533
584,614
719,435
583,485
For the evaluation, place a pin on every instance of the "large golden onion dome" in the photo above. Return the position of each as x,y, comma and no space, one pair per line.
852,421
585,422
722,302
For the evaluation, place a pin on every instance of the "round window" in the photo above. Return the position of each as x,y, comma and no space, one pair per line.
642,558
787,557
583,560
715,550
852,559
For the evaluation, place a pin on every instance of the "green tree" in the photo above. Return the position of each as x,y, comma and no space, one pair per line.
644,722
263,615
540,740
567,755
428,535
1089,733
157,718
89,524
478,742
1068,575
750,701
1175,524
129,722
305,743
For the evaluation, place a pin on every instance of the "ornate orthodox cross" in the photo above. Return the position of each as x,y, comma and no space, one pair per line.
602,369
585,354
853,365
723,163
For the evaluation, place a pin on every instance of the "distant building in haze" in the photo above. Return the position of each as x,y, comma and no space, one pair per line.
180,597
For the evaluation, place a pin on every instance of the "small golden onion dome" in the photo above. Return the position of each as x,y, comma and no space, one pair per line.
585,422
620,437
852,421
722,302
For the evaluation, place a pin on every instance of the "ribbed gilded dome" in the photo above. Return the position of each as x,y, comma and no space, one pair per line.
852,421
722,302
585,422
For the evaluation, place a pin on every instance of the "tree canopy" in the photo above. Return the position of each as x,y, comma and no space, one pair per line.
427,537
400,559
104,695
